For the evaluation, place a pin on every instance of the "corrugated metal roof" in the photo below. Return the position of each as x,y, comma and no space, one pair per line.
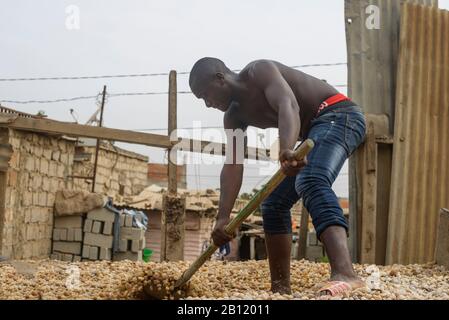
420,177
148,199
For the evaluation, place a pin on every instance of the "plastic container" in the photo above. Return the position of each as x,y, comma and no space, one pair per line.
147,253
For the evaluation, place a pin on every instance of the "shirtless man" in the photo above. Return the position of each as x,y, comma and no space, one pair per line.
268,94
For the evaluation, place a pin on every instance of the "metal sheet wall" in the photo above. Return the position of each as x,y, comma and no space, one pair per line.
420,174
372,65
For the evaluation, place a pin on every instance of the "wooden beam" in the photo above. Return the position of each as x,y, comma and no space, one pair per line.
384,156
79,130
198,146
172,126
153,140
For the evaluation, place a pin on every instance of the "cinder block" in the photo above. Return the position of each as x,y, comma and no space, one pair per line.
131,233
128,220
127,256
69,222
70,234
86,251
78,234
56,234
99,240
122,220
93,253
105,254
63,234
101,214
88,225
96,227
123,245
67,247
67,257
135,245
76,258
107,228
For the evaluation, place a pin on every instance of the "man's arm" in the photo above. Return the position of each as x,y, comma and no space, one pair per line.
230,180
281,99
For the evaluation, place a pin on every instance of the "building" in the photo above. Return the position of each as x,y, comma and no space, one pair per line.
158,175
119,171
34,166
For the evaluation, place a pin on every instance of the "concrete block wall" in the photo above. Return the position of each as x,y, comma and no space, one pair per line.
119,172
39,166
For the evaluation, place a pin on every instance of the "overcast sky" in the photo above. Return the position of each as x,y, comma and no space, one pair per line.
137,36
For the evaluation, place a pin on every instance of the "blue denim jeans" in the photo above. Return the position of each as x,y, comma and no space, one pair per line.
337,134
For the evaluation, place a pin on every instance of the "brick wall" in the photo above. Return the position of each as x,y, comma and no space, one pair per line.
118,171
37,169
158,175
39,166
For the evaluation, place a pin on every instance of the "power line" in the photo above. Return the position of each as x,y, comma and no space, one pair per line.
50,101
137,75
112,95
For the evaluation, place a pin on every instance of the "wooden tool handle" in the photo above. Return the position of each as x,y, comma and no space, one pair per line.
300,153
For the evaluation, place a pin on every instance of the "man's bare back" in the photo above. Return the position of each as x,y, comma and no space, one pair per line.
254,109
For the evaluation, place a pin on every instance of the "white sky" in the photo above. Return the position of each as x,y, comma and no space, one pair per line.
125,37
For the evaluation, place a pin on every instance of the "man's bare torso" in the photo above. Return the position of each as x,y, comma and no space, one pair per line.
255,111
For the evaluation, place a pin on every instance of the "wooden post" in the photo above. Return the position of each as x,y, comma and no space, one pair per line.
368,226
97,148
303,230
172,227
442,245
172,126
173,215
252,247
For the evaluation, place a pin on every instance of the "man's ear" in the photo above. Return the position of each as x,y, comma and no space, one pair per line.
220,77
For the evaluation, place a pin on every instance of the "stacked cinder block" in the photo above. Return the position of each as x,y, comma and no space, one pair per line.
314,249
131,240
98,235
67,238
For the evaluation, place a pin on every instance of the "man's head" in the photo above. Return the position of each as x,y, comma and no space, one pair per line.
209,80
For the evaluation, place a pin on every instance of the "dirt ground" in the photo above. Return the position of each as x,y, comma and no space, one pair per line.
46,279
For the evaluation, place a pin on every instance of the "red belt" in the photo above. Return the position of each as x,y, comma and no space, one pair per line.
331,101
